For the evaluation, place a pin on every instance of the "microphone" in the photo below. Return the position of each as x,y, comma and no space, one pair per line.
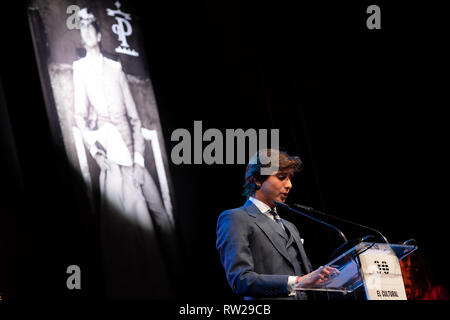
310,209
283,205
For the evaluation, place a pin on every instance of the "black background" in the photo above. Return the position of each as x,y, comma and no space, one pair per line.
365,109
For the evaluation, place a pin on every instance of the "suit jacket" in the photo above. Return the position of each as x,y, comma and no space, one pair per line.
102,93
254,255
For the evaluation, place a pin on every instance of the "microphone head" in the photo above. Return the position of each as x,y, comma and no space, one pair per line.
301,206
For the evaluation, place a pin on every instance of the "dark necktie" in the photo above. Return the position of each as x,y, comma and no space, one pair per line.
277,218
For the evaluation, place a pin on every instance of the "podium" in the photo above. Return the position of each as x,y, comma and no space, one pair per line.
372,265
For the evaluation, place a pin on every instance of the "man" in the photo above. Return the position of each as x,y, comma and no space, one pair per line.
262,254
106,115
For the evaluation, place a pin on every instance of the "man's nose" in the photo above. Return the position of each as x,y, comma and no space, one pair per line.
288,184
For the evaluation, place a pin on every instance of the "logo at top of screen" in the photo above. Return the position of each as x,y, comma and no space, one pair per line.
122,28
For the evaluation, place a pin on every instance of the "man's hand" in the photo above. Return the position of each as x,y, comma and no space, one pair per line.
102,161
316,277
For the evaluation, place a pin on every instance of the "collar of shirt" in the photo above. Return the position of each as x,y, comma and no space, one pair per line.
262,207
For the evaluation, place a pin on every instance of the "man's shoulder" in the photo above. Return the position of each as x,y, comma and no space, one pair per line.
83,62
78,63
112,63
235,213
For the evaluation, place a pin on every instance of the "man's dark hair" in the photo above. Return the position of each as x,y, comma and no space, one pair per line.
253,170
87,14
92,21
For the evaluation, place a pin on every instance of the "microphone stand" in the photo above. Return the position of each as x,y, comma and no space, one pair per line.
309,209
343,247
341,234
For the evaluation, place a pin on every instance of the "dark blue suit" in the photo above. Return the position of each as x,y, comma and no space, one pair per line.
257,254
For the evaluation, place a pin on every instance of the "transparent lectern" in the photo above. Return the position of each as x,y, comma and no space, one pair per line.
374,265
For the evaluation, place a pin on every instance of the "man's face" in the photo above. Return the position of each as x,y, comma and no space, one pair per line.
89,35
275,188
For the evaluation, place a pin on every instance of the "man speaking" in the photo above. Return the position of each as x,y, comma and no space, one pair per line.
262,254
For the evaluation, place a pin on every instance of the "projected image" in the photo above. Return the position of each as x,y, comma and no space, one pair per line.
101,104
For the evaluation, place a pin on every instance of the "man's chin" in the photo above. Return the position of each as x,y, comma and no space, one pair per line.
282,200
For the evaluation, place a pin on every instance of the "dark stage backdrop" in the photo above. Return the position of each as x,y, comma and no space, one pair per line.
365,109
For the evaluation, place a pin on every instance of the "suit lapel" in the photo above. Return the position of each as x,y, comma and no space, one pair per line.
301,249
269,228
276,227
